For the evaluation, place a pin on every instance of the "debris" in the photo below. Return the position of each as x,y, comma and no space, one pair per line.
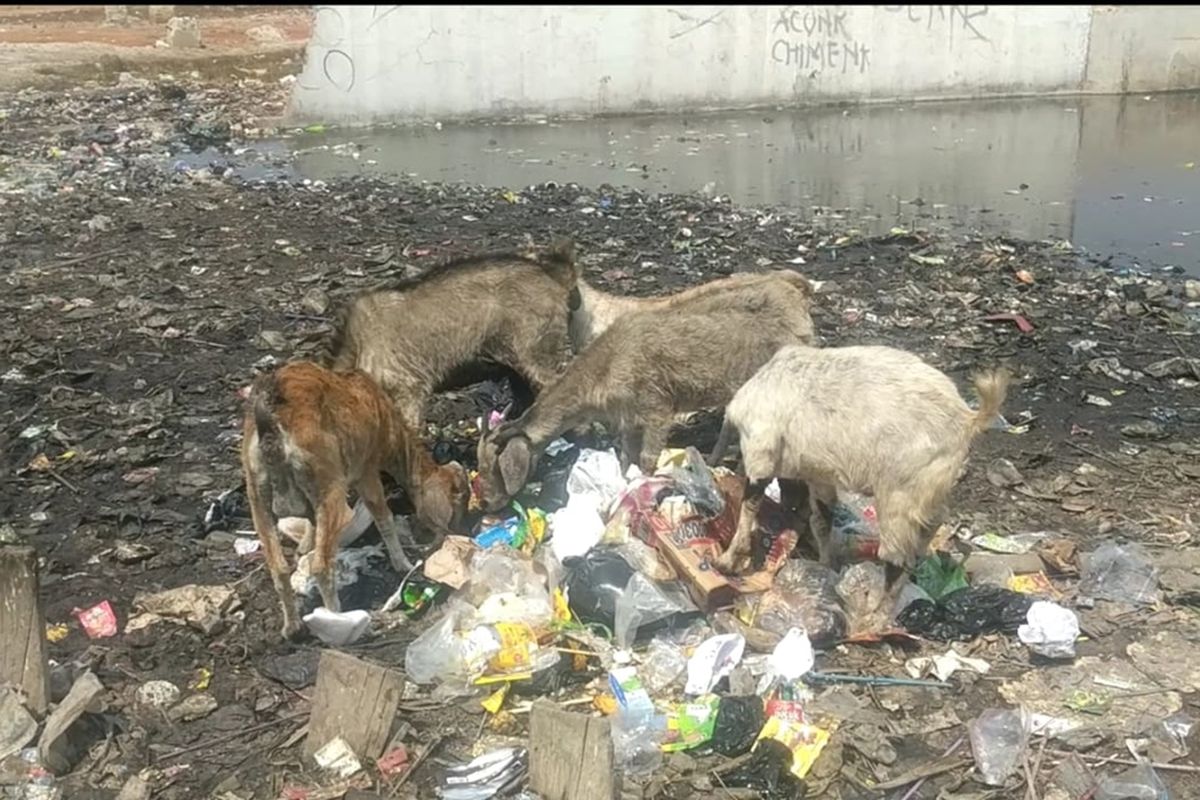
451,563
99,621
158,695
938,576
791,659
202,607
355,701
1073,778
646,606
967,613
637,727
337,629
193,708
803,741
713,660
337,757
1023,325
22,642
738,723
1012,545
945,665
691,724
768,770
999,738
1050,630
570,755
490,775
1140,782
17,727
1120,573
1004,474
394,762
56,748
804,595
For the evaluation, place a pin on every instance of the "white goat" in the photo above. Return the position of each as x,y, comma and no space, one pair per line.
872,420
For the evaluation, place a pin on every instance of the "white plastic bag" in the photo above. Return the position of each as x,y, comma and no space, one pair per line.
714,659
1051,630
644,602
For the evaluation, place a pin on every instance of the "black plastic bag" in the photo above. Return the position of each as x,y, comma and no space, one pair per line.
769,771
967,613
594,582
739,721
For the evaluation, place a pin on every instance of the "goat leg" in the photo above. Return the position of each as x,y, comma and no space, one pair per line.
654,439
268,535
370,488
332,515
740,545
822,498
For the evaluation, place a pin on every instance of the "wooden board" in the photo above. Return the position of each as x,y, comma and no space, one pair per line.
22,630
570,755
355,700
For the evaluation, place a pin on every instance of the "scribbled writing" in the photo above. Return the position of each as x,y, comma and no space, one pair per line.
815,39
958,19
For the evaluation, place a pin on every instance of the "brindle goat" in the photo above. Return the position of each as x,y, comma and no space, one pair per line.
598,310
873,420
646,368
418,336
310,435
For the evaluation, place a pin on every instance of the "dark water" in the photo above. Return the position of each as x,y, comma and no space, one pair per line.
1117,176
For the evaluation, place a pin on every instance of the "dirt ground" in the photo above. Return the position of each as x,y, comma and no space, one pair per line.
142,291
59,46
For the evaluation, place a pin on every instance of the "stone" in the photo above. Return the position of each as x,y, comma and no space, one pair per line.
183,33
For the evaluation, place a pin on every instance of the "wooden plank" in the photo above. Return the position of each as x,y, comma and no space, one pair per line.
355,700
570,755
55,748
22,630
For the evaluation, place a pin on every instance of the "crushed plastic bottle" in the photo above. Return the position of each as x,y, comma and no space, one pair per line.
637,728
1119,572
999,737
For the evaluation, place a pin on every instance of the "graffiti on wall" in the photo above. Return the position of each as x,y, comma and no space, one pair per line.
819,39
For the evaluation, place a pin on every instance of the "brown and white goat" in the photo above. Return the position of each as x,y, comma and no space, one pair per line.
873,420
426,333
648,367
310,435
598,310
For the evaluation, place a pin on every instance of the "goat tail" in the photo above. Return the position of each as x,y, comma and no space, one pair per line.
992,387
339,350
264,397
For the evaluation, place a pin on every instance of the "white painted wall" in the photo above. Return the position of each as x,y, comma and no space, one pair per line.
407,63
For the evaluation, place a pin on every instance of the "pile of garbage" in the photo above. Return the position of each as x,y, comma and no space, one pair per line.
611,601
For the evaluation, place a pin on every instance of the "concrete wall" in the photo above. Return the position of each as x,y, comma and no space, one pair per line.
409,63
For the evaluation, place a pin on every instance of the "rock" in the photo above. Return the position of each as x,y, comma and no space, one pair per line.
1004,474
57,748
183,32
159,695
193,708
136,788
116,15
265,34
1146,429
161,13
1191,290
316,301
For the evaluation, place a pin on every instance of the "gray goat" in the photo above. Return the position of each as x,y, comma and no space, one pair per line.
645,369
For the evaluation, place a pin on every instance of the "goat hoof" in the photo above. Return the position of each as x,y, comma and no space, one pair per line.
291,630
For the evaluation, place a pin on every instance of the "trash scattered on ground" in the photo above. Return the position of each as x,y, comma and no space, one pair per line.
490,775
999,738
337,629
203,607
1120,573
99,621
1050,630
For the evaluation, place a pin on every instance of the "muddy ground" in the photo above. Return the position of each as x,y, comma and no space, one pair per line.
142,288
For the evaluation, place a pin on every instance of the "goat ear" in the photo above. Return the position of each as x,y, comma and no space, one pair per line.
515,461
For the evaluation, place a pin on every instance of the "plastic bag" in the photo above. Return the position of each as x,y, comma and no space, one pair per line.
663,665
694,480
768,771
968,613
1138,783
491,775
863,589
577,527
1170,736
691,724
804,595
594,584
596,474
1120,573
713,660
504,586
791,659
999,738
437,655
1050,630
938,575
644,603
647,560
739,721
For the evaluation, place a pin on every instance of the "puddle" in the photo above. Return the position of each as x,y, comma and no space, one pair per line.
1109,174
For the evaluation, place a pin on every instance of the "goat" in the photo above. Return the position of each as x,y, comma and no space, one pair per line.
309,435
424,334
645,369
873,420
598,310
